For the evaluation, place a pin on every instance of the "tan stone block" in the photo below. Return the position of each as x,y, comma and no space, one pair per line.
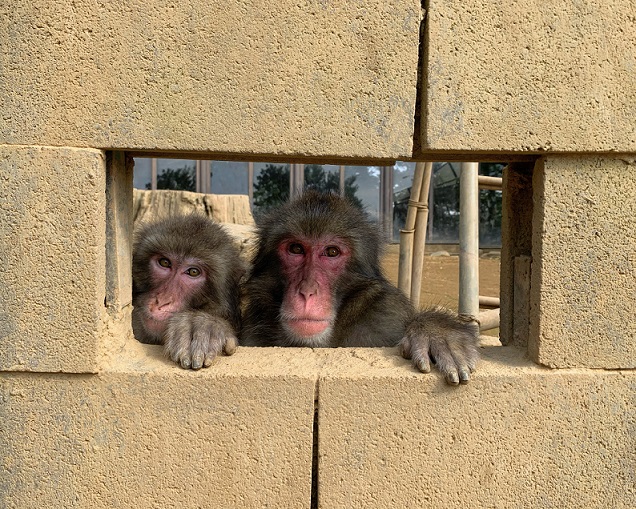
530,76
150,434
516,245
52,258
583,285
517,435
119,229
334,79
240,433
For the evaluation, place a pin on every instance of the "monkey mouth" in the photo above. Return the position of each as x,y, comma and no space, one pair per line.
307,327
156,325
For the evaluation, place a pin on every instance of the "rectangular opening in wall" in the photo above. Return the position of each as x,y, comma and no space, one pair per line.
239,193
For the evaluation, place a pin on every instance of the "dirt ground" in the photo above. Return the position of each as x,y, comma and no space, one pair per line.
440,283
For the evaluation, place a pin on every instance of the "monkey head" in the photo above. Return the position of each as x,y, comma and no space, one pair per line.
322,247
181,263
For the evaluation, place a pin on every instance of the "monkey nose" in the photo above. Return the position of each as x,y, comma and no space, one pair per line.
307,294
162,304
307,290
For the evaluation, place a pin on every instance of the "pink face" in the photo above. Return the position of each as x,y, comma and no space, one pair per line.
175,282
311,268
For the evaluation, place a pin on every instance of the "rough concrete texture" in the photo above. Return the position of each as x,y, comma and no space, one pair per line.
145,433
529,76
583,284
517,436
119,228
516,241
240,433
330,79
52,267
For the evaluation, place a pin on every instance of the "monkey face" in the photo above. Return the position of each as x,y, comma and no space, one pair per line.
311,267
176,281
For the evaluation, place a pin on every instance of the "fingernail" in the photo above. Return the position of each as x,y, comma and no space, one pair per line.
424,366
197,361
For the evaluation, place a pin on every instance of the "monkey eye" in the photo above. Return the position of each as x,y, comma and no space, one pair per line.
193,272
164,262
332,251
296,249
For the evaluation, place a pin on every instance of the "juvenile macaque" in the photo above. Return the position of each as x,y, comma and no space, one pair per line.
186,272
316,281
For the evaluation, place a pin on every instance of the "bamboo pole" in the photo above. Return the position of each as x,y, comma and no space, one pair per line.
469,240
491,183
489,302
488,319
405,261
419,240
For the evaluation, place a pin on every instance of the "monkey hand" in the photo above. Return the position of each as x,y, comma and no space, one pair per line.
448,340
193,339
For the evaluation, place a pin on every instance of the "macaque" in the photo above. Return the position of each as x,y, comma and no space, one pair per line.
316,281
186,273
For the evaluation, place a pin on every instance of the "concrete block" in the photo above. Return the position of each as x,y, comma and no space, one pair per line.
119,229
529,77
583,283
516,246
52,258
241,433
305,79
146,433
517,435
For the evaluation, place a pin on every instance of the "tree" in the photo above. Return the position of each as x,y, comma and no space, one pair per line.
181,179
272,185
490,207
317,178
271,188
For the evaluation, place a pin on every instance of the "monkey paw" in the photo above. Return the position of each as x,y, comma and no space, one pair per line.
447,340
194,339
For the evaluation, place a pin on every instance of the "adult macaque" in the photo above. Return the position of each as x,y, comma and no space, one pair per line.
317,282
186,273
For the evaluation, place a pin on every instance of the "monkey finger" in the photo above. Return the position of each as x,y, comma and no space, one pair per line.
209,359
178,354
464,375
419,352
423,363
230,345
201,348
446,363
197,359
471,355
462,365
185,361
452,377
404,347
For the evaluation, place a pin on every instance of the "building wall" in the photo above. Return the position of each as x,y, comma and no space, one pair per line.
91,418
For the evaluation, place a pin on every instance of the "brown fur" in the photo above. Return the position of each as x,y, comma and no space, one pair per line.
370,311
208,324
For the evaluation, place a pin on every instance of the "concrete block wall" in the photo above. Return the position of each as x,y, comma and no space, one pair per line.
583,287
275,78
52,273
91,418
529,76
